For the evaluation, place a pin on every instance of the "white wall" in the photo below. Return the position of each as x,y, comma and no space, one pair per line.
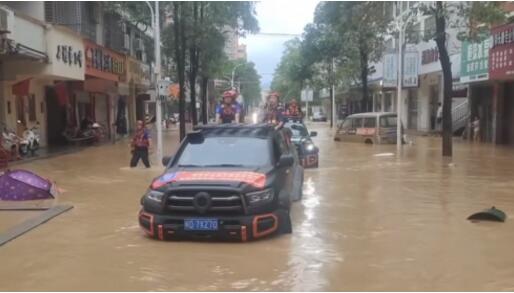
29,33
35,9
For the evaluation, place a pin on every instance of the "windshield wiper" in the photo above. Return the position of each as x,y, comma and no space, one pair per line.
224,165
189,166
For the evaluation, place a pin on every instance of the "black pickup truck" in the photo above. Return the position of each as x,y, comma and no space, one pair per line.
231,182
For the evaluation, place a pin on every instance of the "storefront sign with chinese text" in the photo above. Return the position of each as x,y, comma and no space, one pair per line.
104,63
475,61
501,55
410,69
138,72
390,70
69,55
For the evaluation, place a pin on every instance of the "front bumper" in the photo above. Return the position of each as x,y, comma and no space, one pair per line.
235,228
310,160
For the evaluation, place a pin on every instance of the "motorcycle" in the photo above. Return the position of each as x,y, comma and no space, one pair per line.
10,142
30,141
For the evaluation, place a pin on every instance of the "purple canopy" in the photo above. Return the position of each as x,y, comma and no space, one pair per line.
24,185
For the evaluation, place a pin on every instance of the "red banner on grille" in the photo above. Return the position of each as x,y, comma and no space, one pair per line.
253,178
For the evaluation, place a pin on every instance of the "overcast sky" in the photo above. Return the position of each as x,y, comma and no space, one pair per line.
289,17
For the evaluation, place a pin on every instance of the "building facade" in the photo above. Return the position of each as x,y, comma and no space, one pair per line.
62,62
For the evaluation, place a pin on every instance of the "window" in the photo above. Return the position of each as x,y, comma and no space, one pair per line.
216,151
347,124
388,121
357,122
32,108
370,122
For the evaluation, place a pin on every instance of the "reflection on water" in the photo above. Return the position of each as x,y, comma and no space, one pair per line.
368,221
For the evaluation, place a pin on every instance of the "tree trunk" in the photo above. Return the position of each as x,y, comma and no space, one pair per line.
204,84
440,40
363,52
180,53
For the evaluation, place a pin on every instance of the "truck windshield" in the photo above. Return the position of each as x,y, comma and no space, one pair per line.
226,152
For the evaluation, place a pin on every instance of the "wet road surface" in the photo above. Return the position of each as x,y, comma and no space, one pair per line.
366,222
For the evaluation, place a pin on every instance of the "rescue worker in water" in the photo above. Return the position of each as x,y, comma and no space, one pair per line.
273,111
228,110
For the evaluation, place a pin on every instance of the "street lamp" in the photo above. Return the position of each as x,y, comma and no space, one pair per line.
234,72
157,42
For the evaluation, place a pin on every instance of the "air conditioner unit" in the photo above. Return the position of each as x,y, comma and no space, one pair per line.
6,20
126,42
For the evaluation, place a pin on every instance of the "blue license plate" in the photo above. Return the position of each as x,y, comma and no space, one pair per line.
201,224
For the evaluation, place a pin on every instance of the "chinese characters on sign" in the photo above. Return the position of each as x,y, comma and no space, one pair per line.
501,55
429,56
104,63
68,56
390,70
410,69
475,60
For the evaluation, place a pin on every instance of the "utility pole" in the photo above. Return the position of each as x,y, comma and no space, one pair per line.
399,89
158,103
333,120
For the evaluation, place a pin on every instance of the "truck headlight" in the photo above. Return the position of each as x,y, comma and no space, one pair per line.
309,147
260,197
155,195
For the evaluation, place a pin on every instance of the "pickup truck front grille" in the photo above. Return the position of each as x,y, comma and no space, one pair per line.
218,202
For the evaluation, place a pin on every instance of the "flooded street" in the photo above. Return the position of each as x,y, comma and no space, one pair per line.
366,222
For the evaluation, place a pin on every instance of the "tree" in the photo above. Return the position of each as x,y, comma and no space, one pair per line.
360,28
194,35
471,19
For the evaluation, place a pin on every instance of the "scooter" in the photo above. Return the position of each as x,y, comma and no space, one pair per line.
10,141
30,141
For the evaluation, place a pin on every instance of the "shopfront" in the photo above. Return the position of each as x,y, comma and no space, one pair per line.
139,83
475,73
105,70
501,75
65,73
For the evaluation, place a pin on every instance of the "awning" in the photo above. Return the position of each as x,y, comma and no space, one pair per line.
21,89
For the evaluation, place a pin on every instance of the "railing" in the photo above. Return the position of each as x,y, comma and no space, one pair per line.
460,116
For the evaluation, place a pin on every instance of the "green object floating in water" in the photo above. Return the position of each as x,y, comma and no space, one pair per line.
492,214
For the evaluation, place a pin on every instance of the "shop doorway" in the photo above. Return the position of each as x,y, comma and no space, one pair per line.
434,105
56,118
508,115
412,122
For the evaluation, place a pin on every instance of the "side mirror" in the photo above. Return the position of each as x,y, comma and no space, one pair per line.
313,133
166,160
285,161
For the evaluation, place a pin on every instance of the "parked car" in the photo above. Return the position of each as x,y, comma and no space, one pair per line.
372,128
231,181
308,152
319,116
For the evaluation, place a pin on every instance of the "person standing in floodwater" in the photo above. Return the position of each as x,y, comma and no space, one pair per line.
439,117
140,145
475,125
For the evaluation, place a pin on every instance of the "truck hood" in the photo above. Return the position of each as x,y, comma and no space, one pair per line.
241,178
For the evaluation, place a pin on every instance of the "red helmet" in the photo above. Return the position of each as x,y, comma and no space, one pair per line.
230,94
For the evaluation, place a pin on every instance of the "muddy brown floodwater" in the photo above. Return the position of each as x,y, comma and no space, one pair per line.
366,222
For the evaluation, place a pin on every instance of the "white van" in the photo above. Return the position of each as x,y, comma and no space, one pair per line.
372,128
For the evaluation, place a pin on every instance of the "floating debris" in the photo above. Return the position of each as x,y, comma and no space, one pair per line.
492,214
